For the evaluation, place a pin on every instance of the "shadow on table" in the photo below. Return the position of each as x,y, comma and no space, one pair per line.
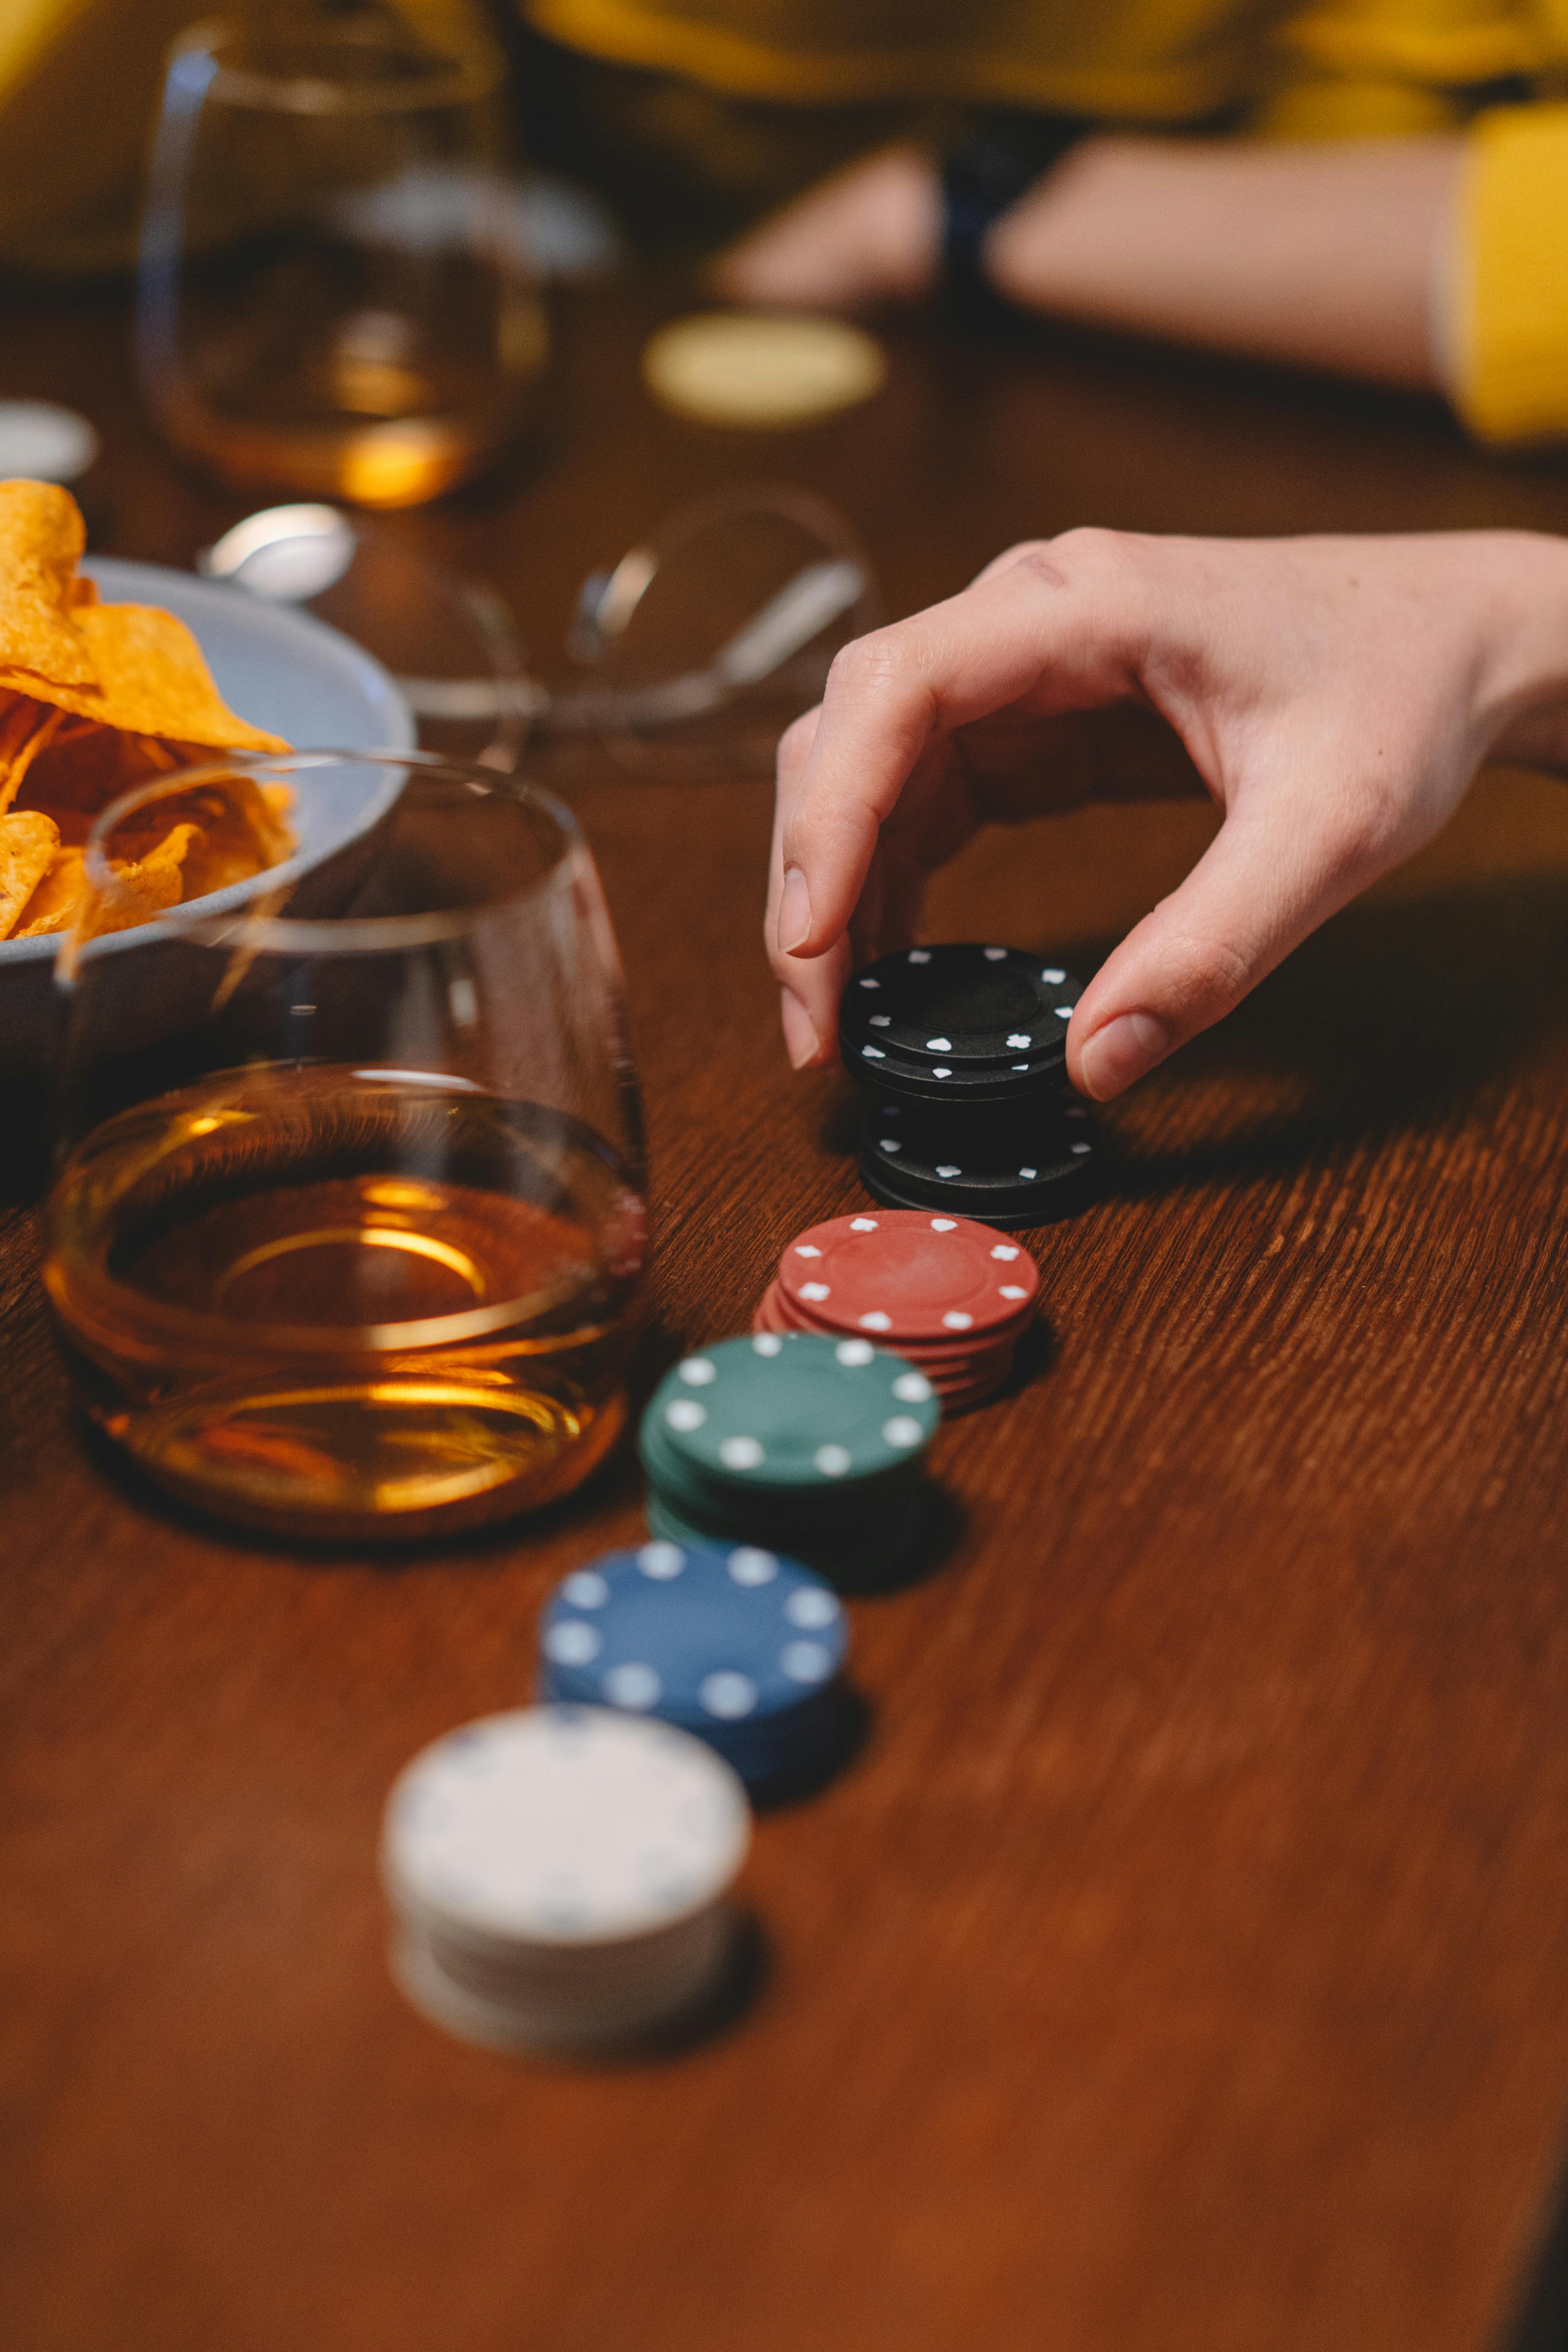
1539,2322
1390,1019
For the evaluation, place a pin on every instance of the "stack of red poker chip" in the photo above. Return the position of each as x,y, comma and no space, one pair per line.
952,1296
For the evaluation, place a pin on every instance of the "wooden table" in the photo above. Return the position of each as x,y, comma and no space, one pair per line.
1184,1963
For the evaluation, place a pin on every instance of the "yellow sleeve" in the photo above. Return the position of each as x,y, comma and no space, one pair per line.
1510,289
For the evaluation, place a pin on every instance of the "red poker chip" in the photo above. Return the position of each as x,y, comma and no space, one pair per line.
897,1274
960,1380
931,1356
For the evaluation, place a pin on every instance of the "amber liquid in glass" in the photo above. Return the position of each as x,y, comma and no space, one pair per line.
339,1303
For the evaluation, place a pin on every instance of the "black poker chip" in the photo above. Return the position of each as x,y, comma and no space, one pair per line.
962,1007
1006,1169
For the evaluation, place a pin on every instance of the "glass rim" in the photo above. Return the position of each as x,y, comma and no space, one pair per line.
267,933
463,80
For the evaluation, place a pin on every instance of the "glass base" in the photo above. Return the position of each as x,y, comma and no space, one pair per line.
397,1459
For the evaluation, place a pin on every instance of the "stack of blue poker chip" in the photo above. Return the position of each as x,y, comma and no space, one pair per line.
812,1443
735,1643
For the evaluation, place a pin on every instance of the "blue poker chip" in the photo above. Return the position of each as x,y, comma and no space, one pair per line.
738,1645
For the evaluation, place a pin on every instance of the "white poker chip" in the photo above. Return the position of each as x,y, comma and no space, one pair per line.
559,1877
562,1826
41,442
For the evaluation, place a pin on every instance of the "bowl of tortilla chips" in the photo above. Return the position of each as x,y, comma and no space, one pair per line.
98,695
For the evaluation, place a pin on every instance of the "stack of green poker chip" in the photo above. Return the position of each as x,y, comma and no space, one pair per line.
813,1446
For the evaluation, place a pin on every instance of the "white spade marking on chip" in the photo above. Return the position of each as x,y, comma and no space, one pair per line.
814,1290
876,1321
902,1430
767,1343
750,1565
661,1560
833,1460
881,1020
574,1643
1063,1011
911,1388
1053,976
806,1249
937,1072
994,955
920,955
870,984
806,1662
1020,1065
1080,1147
889,1143
955,1320
697,1371
1008,1250
943,1225
939,1044
740,1454
685,1413
1028,1171
855,1352
728,1694
873,1053
810,1607
636,1686
950,1171
862,1225
1014,1290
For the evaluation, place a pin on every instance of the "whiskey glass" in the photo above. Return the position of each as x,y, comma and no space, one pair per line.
347,1221
335,295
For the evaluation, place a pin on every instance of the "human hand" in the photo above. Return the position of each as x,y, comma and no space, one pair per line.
871,234
1334,696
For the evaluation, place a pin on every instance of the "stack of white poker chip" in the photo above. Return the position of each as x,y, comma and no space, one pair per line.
559,1877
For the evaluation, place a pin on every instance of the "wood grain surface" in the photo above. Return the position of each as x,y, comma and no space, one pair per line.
1183,1962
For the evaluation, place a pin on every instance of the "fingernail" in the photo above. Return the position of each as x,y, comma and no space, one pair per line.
801,1041
1121,1052
794,911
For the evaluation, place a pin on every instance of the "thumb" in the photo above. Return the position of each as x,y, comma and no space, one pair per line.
1267,879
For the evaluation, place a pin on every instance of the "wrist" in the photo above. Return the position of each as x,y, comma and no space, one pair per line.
1525,648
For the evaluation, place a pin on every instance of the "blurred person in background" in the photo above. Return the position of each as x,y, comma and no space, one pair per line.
1375,186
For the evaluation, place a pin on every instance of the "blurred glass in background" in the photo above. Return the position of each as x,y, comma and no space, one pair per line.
336,293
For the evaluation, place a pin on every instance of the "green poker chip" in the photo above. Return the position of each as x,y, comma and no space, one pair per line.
778,1411
811,1445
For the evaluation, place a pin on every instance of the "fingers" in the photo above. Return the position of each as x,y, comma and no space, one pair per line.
1272,873
864,236
1053,631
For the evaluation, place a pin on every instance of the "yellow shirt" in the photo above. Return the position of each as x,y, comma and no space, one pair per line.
1344,69
78,81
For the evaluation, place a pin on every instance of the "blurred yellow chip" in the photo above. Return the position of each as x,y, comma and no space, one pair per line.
139,890
94,700
53,904
28,844
761,369
41,540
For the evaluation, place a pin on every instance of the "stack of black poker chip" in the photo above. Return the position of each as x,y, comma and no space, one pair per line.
962,1053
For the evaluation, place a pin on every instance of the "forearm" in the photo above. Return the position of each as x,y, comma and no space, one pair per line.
1321,256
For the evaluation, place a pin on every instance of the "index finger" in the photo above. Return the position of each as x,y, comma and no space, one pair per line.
1028,629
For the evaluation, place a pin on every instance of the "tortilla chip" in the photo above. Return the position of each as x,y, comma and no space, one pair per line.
26,727
27,845
143,888
52,905
41,540
95,699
